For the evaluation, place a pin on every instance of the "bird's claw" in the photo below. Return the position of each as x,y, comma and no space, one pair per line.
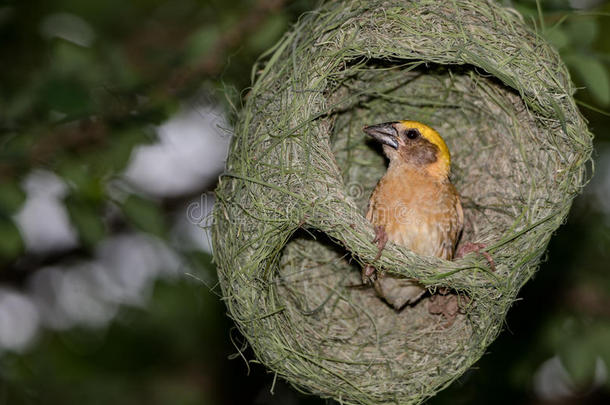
369,274
469,247
447,304
381,239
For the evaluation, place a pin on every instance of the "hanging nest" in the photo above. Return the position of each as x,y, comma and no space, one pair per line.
290,235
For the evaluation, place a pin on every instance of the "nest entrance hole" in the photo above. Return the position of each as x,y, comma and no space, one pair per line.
486,125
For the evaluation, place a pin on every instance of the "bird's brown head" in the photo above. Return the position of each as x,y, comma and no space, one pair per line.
413,143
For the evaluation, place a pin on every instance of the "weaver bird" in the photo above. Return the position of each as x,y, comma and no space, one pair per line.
414,204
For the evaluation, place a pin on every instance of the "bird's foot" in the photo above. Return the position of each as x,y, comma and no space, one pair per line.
469,247
447,304
381,239
369,274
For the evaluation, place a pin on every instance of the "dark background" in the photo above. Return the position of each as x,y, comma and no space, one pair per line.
114,121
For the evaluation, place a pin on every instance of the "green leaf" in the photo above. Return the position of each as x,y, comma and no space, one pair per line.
69,60
145,215
557,37
579,358
87,219
600,336
201,43
66,96
11,244
77,172
594,75
269,33
116,156
11,197
582,31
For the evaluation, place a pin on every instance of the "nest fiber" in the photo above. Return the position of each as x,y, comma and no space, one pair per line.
290,235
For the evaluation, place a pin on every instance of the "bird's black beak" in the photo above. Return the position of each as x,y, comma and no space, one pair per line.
384,133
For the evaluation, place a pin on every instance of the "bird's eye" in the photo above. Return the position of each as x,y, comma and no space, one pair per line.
412,133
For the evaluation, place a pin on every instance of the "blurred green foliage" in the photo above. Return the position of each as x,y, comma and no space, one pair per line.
83,83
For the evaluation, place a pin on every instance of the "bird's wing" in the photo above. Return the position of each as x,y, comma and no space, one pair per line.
460,223
460,215
450,229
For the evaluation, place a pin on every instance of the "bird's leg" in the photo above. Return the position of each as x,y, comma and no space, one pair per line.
468,247
367,274
447,304
381,239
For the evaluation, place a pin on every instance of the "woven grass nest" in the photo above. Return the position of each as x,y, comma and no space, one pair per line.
289,231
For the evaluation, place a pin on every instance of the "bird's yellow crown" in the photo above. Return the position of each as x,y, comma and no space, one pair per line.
433,137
